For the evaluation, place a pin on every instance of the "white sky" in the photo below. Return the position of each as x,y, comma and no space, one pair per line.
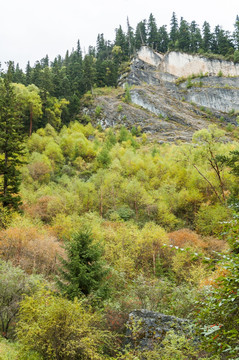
30,29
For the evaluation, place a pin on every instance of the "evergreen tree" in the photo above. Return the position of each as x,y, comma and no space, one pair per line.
89,73
101,48
236,33
215,40
74,71
195,37
11,147
225,43
173,35
45,61
28,74
184,36
121,40
207,37
140,35
19,76
36,74
83,271
130,38
152,33
163,39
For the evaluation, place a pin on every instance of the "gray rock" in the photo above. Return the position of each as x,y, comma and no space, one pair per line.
145,328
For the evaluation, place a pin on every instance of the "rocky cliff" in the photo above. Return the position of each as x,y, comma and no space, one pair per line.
173,95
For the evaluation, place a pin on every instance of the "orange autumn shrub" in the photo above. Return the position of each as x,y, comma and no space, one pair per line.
214,244
212,280
31,250
187,238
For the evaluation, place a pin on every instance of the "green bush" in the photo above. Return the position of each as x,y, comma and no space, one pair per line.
209,220
57,328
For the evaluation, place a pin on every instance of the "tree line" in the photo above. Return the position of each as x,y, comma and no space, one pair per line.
74,74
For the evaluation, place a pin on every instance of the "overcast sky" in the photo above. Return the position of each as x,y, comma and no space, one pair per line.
30,29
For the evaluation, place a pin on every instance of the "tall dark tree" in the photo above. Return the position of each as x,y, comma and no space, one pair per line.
173,35
83,271
222,43
28,74
101,47
184,36
152,32
130,38
163,39
236,33
195,37
140,34
11,148
207,37
89,73
74,71
19,76
121,40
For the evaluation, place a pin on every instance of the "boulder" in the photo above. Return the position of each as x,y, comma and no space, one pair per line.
146,328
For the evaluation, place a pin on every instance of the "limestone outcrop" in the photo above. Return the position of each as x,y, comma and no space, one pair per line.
173,95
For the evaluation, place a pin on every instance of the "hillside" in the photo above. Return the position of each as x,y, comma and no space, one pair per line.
97,220
172,95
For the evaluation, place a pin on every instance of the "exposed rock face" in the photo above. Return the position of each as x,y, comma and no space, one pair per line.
169,111
145,328
179,64
150,57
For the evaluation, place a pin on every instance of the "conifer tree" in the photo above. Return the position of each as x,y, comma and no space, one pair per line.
152,32
173,35
207,37
236,33
140,34
130,38
11,147
195,37
184,36
83,271
163,39
121,40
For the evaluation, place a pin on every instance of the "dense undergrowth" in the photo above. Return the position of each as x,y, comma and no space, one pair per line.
165,219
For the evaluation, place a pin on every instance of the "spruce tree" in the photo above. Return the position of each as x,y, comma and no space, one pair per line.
140,34
173,35
130,38
11,145
236,33
83,271
163,39
195,37
152,32
207,37
184,36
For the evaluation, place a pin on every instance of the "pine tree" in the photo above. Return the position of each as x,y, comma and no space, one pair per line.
207,37
11,147
89,73
195,37
121,40
163,39
152,33
236,33
140,34
83,271
173,35
184,36
130,38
